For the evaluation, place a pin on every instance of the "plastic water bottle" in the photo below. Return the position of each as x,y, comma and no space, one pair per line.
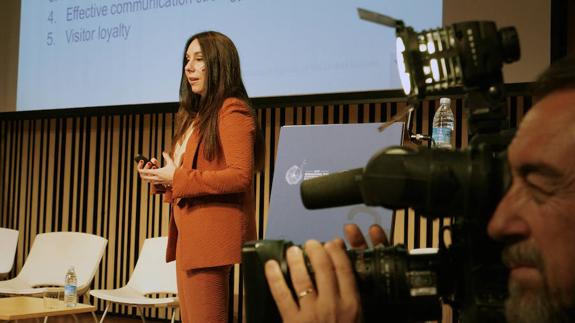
443,125
71,288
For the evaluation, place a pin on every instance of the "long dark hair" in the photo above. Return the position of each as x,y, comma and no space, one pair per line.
223,80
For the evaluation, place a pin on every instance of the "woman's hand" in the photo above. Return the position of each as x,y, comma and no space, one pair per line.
151,164
158,176
333,299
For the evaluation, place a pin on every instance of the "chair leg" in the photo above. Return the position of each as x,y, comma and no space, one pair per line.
105,312
173,314
94,317
141,312
45,319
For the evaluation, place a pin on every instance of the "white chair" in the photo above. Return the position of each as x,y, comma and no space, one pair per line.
49,259
9,242
151,275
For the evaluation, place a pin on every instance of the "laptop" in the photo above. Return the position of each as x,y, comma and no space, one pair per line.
308,151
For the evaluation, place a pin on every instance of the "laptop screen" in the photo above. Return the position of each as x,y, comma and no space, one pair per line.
314,150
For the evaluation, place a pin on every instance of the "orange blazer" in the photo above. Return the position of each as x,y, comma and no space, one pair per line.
214,201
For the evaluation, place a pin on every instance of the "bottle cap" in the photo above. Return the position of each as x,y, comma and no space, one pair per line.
445,101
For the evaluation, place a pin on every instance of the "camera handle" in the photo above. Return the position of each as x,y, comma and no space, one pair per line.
486,108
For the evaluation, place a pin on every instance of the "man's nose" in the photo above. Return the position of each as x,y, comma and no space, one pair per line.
508,220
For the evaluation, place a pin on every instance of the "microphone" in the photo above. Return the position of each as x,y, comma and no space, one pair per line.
337,189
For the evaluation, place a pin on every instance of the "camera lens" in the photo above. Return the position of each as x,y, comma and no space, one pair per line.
509,44
394,281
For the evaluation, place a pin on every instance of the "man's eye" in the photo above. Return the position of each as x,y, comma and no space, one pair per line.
539,193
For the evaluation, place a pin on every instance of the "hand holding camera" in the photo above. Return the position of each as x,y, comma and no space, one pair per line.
335,286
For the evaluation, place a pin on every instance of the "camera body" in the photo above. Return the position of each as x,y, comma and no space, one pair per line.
400,285
463,185
391,280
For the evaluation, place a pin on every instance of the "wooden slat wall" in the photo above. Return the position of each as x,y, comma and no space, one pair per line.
78,174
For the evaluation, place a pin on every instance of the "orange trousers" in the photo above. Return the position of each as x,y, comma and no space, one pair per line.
204,294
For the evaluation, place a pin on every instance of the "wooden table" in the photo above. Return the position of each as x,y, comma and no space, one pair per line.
26,307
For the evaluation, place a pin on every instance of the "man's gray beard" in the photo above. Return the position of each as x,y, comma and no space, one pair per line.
535,306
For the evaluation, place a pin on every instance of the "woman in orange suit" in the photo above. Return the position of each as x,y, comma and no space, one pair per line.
208,176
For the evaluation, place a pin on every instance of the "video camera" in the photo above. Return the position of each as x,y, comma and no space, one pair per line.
400,286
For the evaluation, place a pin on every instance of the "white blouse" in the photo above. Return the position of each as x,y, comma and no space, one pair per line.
181,146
